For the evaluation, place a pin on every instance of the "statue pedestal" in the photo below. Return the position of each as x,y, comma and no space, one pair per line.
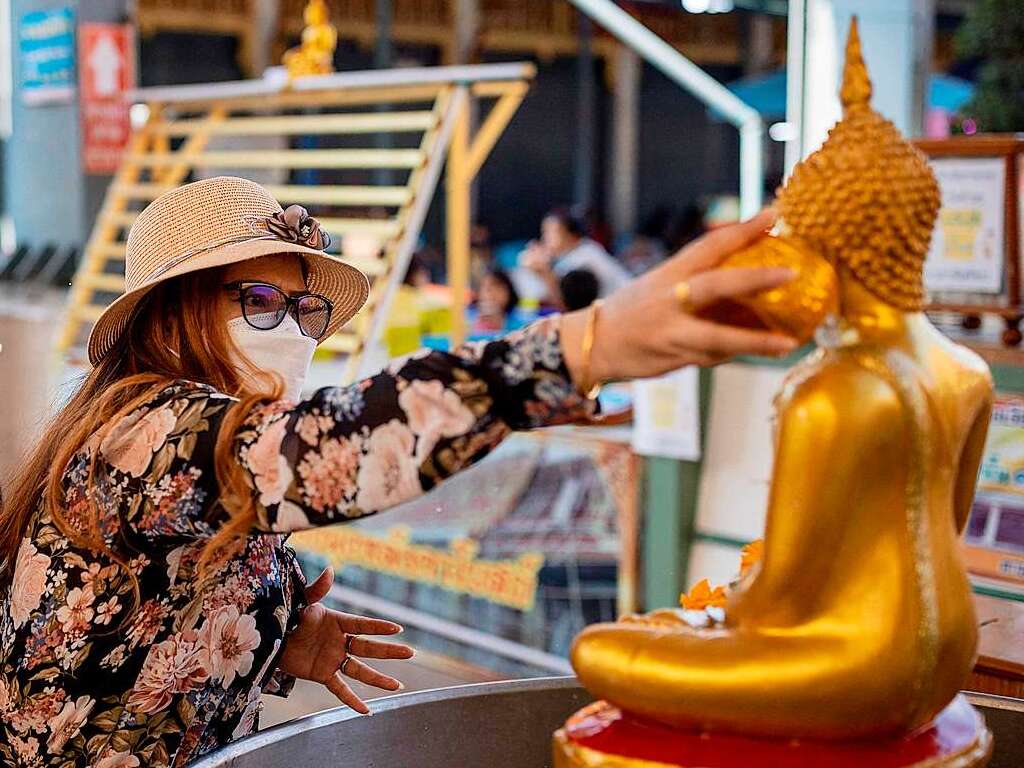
602,736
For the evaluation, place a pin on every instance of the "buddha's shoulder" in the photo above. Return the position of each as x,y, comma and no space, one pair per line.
843,381
969,366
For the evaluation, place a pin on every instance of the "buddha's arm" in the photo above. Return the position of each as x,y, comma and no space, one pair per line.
970,461
836,431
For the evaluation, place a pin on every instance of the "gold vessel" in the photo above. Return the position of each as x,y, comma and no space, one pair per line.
858,622
796,308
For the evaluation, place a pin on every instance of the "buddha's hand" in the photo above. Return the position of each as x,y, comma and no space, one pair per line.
319,646
644,329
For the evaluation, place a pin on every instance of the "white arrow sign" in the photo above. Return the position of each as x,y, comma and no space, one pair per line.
105,62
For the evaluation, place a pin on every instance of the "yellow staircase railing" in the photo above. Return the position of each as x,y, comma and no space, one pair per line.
316,142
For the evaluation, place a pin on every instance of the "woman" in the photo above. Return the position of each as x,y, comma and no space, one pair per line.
148,597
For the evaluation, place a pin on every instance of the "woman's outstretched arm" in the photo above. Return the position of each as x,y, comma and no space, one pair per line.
344,453
352,451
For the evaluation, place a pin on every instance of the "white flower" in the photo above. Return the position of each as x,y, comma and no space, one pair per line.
130,445
434,412
117,760
389,473
290,517
228,640
270,469
69,722
27,750
106,610
76,614
29,582
696,619
174,666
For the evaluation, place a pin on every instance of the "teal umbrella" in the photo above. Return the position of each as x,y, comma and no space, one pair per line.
767,93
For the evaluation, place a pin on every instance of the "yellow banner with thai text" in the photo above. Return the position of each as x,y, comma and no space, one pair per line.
512,583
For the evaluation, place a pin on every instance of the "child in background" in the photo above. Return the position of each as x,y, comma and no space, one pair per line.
579,289
495,304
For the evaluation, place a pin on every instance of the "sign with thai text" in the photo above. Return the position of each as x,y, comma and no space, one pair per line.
968,245
46,48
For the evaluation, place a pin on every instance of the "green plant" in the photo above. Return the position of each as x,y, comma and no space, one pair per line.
994,31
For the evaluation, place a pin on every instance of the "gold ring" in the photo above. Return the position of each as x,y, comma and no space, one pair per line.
684,295
348,643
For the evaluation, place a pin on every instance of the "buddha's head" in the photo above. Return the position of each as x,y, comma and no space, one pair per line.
866,201
316,13
856,216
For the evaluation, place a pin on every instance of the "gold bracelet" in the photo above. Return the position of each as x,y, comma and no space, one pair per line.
589,390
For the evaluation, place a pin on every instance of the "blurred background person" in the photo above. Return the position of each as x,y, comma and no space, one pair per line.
686,226
648,247
495,307
481,254
562,248
579,289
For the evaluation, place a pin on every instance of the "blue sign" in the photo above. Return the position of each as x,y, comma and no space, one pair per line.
46,44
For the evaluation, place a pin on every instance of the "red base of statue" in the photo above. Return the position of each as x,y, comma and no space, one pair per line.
602,736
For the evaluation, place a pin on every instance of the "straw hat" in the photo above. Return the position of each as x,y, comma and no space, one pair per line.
221,221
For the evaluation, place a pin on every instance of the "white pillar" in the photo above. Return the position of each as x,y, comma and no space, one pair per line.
759,44
465,50
897,36
467,30
623,173
586,115
264,29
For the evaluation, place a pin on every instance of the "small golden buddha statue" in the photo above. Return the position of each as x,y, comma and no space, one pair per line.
315,53
857,622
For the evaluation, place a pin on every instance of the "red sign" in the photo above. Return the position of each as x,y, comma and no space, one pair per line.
106,55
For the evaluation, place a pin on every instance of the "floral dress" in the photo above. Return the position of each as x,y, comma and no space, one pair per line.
94,674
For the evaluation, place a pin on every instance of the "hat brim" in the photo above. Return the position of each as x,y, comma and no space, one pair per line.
345,286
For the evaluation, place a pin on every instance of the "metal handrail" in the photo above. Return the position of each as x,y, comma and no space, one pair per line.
697,82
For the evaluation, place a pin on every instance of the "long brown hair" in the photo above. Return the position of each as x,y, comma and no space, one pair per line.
176,332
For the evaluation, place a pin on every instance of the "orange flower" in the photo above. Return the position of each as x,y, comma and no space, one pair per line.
703,596
751,556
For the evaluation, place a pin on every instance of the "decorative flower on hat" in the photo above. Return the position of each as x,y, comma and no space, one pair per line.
295,225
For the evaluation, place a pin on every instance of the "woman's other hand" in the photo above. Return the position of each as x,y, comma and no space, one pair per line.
317,648
643,330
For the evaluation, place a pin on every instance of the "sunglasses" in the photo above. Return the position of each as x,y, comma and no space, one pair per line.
264,307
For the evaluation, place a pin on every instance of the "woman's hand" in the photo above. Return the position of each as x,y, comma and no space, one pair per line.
316,649
642,330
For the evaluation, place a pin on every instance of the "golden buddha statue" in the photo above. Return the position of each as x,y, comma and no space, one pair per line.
857,623
315,53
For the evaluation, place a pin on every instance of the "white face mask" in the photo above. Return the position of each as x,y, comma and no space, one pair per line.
283,350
